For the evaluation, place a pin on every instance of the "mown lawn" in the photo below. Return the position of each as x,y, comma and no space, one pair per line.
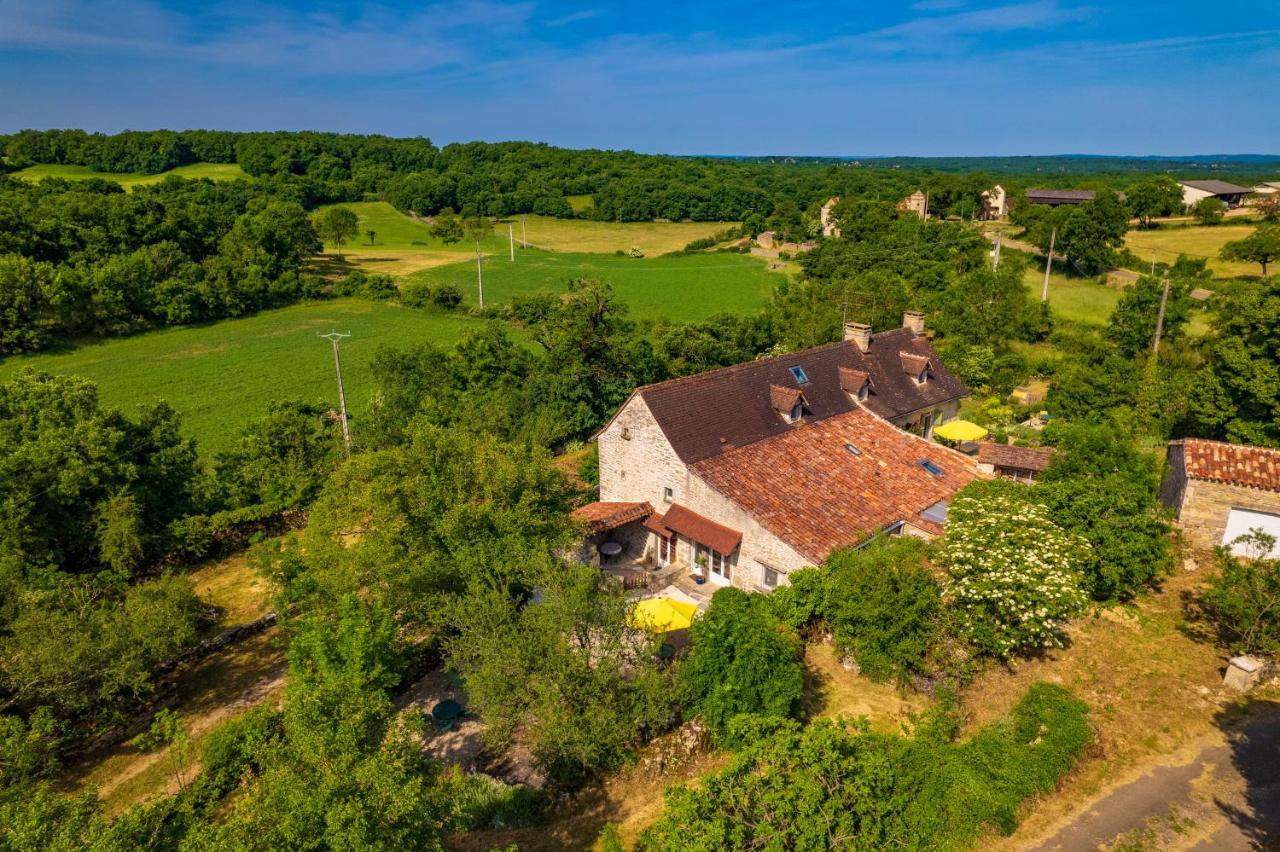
683,289
1196,242
218,376
212,171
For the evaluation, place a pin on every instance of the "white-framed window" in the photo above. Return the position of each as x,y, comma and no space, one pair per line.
864,391
769,577
668,494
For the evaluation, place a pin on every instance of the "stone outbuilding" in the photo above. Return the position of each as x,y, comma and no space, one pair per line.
1222,491
1021,464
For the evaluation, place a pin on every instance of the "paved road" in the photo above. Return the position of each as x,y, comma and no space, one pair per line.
1226,798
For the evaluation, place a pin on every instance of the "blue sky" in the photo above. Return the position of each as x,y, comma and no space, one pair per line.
935,77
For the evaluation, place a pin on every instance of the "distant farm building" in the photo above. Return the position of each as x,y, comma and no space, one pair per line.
995,203
1222,491
917,203
1267,187
1198,190
766,239
830,225
1059,197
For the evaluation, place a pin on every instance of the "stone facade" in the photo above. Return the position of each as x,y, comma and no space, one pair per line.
637,463
1203,506
921,422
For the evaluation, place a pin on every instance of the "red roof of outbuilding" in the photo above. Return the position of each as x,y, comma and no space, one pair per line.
829,484
1234,464
1022,458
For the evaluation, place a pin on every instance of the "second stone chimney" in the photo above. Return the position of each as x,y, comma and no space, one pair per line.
913,320
860,334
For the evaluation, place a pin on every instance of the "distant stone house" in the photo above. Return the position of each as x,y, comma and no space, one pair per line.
1021,464
917,203
1194,191
826,217
995,203
767,239
1221,491
747,473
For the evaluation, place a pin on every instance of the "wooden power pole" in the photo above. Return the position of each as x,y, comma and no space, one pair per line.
1048,265
511,241
335,338
1164,297
479,275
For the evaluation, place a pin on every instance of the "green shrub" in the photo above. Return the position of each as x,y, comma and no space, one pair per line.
1015,574
1243,599
884,606
742,660
446,296
236,747
837,785
481,802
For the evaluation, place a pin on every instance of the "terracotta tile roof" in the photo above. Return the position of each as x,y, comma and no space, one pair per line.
604,516
703,530
810,489
736,403
1234,464
784,399
914,365
851,380
1023,458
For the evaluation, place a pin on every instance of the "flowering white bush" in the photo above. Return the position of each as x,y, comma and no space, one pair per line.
1014,575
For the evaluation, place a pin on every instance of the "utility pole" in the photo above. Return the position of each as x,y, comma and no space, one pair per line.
995,262
511,240
335,338
1164,297
1153,261
479,275
524,233
1048,264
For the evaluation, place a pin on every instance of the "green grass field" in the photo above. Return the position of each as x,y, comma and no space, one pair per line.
583,235
1195,241
220,375
683,289
213,171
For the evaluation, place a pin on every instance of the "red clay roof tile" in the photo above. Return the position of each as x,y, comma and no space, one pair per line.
808,488
603,516
1234,464
690,524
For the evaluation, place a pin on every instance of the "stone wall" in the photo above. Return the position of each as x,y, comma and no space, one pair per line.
637,463
1205,506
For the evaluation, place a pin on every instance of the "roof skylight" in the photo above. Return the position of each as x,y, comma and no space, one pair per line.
932,468
801,377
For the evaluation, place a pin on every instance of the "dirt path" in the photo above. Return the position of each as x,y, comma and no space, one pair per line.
1224,796
1117,275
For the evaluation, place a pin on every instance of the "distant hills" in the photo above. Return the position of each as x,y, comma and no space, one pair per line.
1064,164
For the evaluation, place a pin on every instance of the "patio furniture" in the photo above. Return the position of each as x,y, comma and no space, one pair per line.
610,549
446,713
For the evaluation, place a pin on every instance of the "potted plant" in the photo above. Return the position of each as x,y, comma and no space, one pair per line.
700,576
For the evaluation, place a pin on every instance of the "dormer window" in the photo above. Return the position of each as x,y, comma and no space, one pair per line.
856,383
917,366
788,402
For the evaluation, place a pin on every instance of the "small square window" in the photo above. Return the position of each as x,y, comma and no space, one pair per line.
770,577
668,494
801,377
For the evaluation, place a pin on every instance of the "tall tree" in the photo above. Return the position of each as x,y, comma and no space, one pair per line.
337,225
1261,247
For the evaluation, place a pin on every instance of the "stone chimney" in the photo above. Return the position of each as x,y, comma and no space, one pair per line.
859,333
913,320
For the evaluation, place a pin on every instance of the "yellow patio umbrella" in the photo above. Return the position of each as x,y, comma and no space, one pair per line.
960,430
661,615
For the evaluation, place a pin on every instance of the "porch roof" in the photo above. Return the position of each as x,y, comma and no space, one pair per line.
604,515
690,524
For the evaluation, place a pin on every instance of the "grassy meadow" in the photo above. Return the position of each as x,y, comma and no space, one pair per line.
220,375
1194,241
581,235
684,289
212,171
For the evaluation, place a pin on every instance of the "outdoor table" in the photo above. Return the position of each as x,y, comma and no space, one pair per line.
610,548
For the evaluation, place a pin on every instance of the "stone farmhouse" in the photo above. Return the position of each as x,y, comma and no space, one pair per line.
995,203
1222,491
744,474
826,217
